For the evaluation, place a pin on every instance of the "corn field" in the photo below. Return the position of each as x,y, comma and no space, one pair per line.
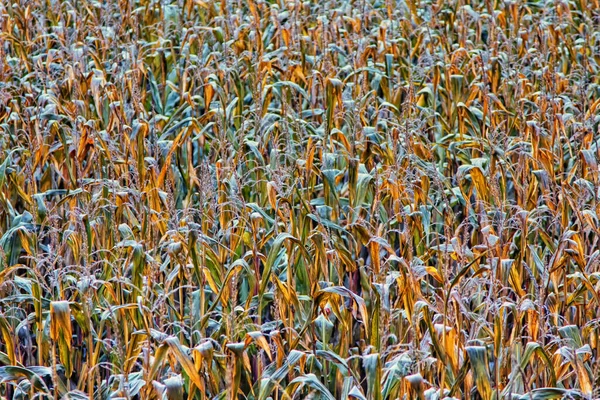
299,199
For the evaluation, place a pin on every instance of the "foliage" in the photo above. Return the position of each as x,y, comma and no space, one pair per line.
269,199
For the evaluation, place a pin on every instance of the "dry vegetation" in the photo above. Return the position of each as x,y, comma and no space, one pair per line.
286,199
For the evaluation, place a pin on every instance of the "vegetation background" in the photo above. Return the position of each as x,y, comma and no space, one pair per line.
285,199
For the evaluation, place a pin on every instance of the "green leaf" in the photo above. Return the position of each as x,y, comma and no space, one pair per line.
312,381
479,365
